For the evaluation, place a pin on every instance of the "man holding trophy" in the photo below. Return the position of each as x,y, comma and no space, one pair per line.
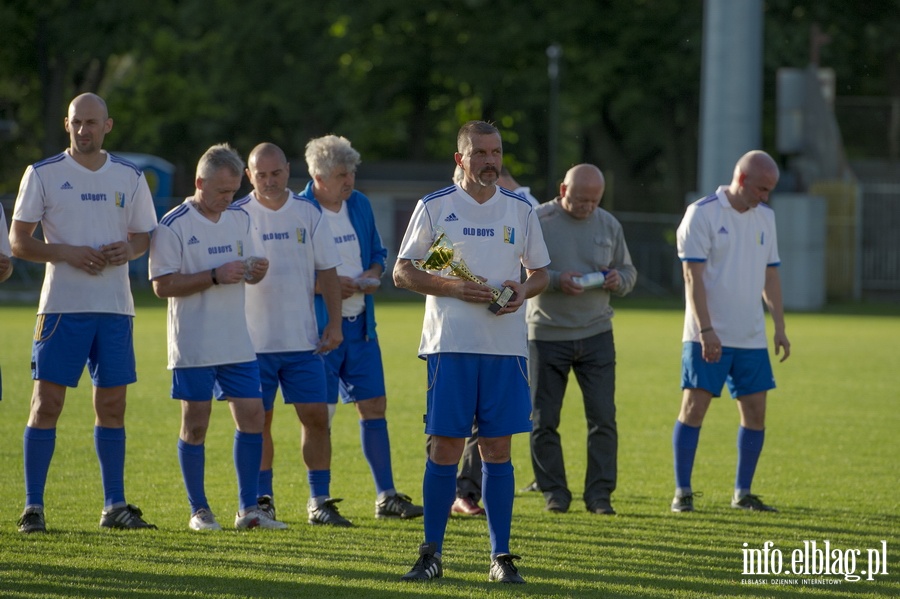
464,250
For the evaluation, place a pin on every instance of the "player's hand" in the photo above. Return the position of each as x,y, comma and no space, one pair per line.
116,253
348,286
332,337
231,273
567,285
468,291
257,271
82,257
711,345
517,299
781,342
5,263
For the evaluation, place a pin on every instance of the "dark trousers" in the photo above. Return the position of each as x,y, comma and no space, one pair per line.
594,363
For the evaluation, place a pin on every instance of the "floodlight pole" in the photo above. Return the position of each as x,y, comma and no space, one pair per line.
554,53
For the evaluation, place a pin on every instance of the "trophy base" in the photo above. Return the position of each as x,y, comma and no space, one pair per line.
505,295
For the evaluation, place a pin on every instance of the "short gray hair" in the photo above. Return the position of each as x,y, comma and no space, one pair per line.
325,154
470,130
218,157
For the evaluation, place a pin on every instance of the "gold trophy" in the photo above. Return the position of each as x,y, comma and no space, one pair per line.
442,256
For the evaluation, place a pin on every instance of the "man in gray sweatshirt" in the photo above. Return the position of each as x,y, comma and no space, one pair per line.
570,327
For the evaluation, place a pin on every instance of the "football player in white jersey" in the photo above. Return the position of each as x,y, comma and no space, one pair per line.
298,243
729,253
6,265
96,213
354,369
477,358
200,257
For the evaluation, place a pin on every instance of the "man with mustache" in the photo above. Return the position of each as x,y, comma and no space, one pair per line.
477,358
96,213
354,368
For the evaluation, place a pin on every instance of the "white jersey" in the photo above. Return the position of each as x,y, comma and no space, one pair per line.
737,247
206,328
297,242
78,206
4,235
347,243
495,239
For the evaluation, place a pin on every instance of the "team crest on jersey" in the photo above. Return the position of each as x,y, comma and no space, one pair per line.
120,199
762,238
509,234
240,248
301,235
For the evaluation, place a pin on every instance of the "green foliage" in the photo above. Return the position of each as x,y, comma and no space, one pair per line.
399,77
828,465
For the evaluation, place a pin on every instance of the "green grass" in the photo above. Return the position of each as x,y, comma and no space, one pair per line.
829,465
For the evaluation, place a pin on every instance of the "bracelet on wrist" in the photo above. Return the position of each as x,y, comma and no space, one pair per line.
706,330
212,273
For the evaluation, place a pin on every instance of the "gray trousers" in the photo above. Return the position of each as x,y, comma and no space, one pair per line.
594,363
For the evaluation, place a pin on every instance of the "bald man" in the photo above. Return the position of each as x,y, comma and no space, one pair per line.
570,328
729,254
96,214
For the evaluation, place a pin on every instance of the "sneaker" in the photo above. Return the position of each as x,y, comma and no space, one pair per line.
532,487
266,505
128,516
256,518
751,502
467,507
203,519
503,570
32,520
685,503
326,513
397,506
427,567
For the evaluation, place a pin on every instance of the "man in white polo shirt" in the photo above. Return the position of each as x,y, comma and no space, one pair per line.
729,253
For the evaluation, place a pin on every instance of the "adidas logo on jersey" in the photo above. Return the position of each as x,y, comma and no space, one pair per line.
67,185
451,219
723,231
193,240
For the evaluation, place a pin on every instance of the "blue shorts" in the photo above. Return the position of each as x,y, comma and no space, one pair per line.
746,371
236,381
354,369
64,343
492,390
301,375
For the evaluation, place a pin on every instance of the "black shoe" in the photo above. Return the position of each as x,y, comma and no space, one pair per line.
398,506
685,503
531,488
427,567
557,505
327,513
753,503
128,516
32,520
503,570
602,507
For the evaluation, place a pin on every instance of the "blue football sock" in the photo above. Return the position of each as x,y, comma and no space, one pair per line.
39,444
193,468
247,458
749,445
685,439
110,446
265,483
319,483
439,493
498,489
376,447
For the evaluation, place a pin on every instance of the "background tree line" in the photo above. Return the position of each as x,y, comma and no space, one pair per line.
397,77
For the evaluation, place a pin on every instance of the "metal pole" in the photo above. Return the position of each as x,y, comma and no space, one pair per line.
554,53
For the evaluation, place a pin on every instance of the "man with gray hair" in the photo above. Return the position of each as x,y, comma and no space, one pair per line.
200,257
355,369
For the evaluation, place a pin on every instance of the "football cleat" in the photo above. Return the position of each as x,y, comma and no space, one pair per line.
427,567
256,518
128,516
503,570
685,503
32,520
326,513
751,502
397,506
203,519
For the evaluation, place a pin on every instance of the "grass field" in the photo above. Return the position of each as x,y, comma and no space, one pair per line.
829,465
